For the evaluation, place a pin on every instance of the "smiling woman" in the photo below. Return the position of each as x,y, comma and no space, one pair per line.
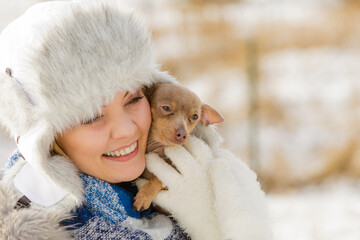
111,147
71,75
74,103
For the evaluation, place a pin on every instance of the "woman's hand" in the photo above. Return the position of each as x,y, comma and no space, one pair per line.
240,203
189,197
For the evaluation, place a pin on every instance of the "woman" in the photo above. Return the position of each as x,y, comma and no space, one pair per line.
71,79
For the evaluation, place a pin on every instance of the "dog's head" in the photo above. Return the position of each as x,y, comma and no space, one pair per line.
175,112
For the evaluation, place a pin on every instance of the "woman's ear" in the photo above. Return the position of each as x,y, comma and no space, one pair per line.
209,115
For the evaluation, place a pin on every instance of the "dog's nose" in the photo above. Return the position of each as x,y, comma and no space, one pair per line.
180,135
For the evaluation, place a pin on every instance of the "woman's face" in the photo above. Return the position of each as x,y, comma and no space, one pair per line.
112,146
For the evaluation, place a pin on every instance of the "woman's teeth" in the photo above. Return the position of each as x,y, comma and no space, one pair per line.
122,152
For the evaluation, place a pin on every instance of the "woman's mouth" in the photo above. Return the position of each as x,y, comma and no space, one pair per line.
123,154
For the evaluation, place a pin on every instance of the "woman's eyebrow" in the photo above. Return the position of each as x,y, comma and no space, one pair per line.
126,94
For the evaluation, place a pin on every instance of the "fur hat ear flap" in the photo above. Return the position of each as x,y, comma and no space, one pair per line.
16,109
46,170
35,145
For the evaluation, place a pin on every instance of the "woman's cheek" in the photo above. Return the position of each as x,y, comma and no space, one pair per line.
143,121
95,140
146,116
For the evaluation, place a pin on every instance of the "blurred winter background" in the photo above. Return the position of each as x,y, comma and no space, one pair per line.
285,74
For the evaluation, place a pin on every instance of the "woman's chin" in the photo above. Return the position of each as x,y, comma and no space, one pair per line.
131,174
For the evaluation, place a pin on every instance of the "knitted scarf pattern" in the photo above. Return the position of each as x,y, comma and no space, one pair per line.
107,213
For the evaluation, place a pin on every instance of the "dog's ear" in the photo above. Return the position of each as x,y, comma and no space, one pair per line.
149,91
209,115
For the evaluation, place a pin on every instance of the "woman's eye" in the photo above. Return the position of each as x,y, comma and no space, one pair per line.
135,99
95,119
194,117
166,108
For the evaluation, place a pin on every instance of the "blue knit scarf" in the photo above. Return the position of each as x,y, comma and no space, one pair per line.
107,213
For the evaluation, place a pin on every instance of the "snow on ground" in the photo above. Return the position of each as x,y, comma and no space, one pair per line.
327,212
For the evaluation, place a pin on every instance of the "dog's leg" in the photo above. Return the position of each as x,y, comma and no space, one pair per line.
148,192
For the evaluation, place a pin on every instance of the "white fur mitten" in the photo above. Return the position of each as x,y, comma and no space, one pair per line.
215,195
240,203
189,197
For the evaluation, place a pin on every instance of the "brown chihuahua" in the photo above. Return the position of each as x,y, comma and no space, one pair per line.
175,111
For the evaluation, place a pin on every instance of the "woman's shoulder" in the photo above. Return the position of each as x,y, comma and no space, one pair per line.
28,223
22,219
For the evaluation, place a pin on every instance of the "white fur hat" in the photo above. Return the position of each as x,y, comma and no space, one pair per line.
67,59
61,61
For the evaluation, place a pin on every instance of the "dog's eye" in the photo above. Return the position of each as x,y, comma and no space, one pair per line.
166,108
194,117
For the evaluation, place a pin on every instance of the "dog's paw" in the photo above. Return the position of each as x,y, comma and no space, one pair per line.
141,202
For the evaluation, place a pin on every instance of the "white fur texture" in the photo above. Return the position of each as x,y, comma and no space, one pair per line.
30,223
38,222
12,98
208,134
240,203
70,182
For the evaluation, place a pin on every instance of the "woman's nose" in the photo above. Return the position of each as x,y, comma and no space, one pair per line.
123,126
